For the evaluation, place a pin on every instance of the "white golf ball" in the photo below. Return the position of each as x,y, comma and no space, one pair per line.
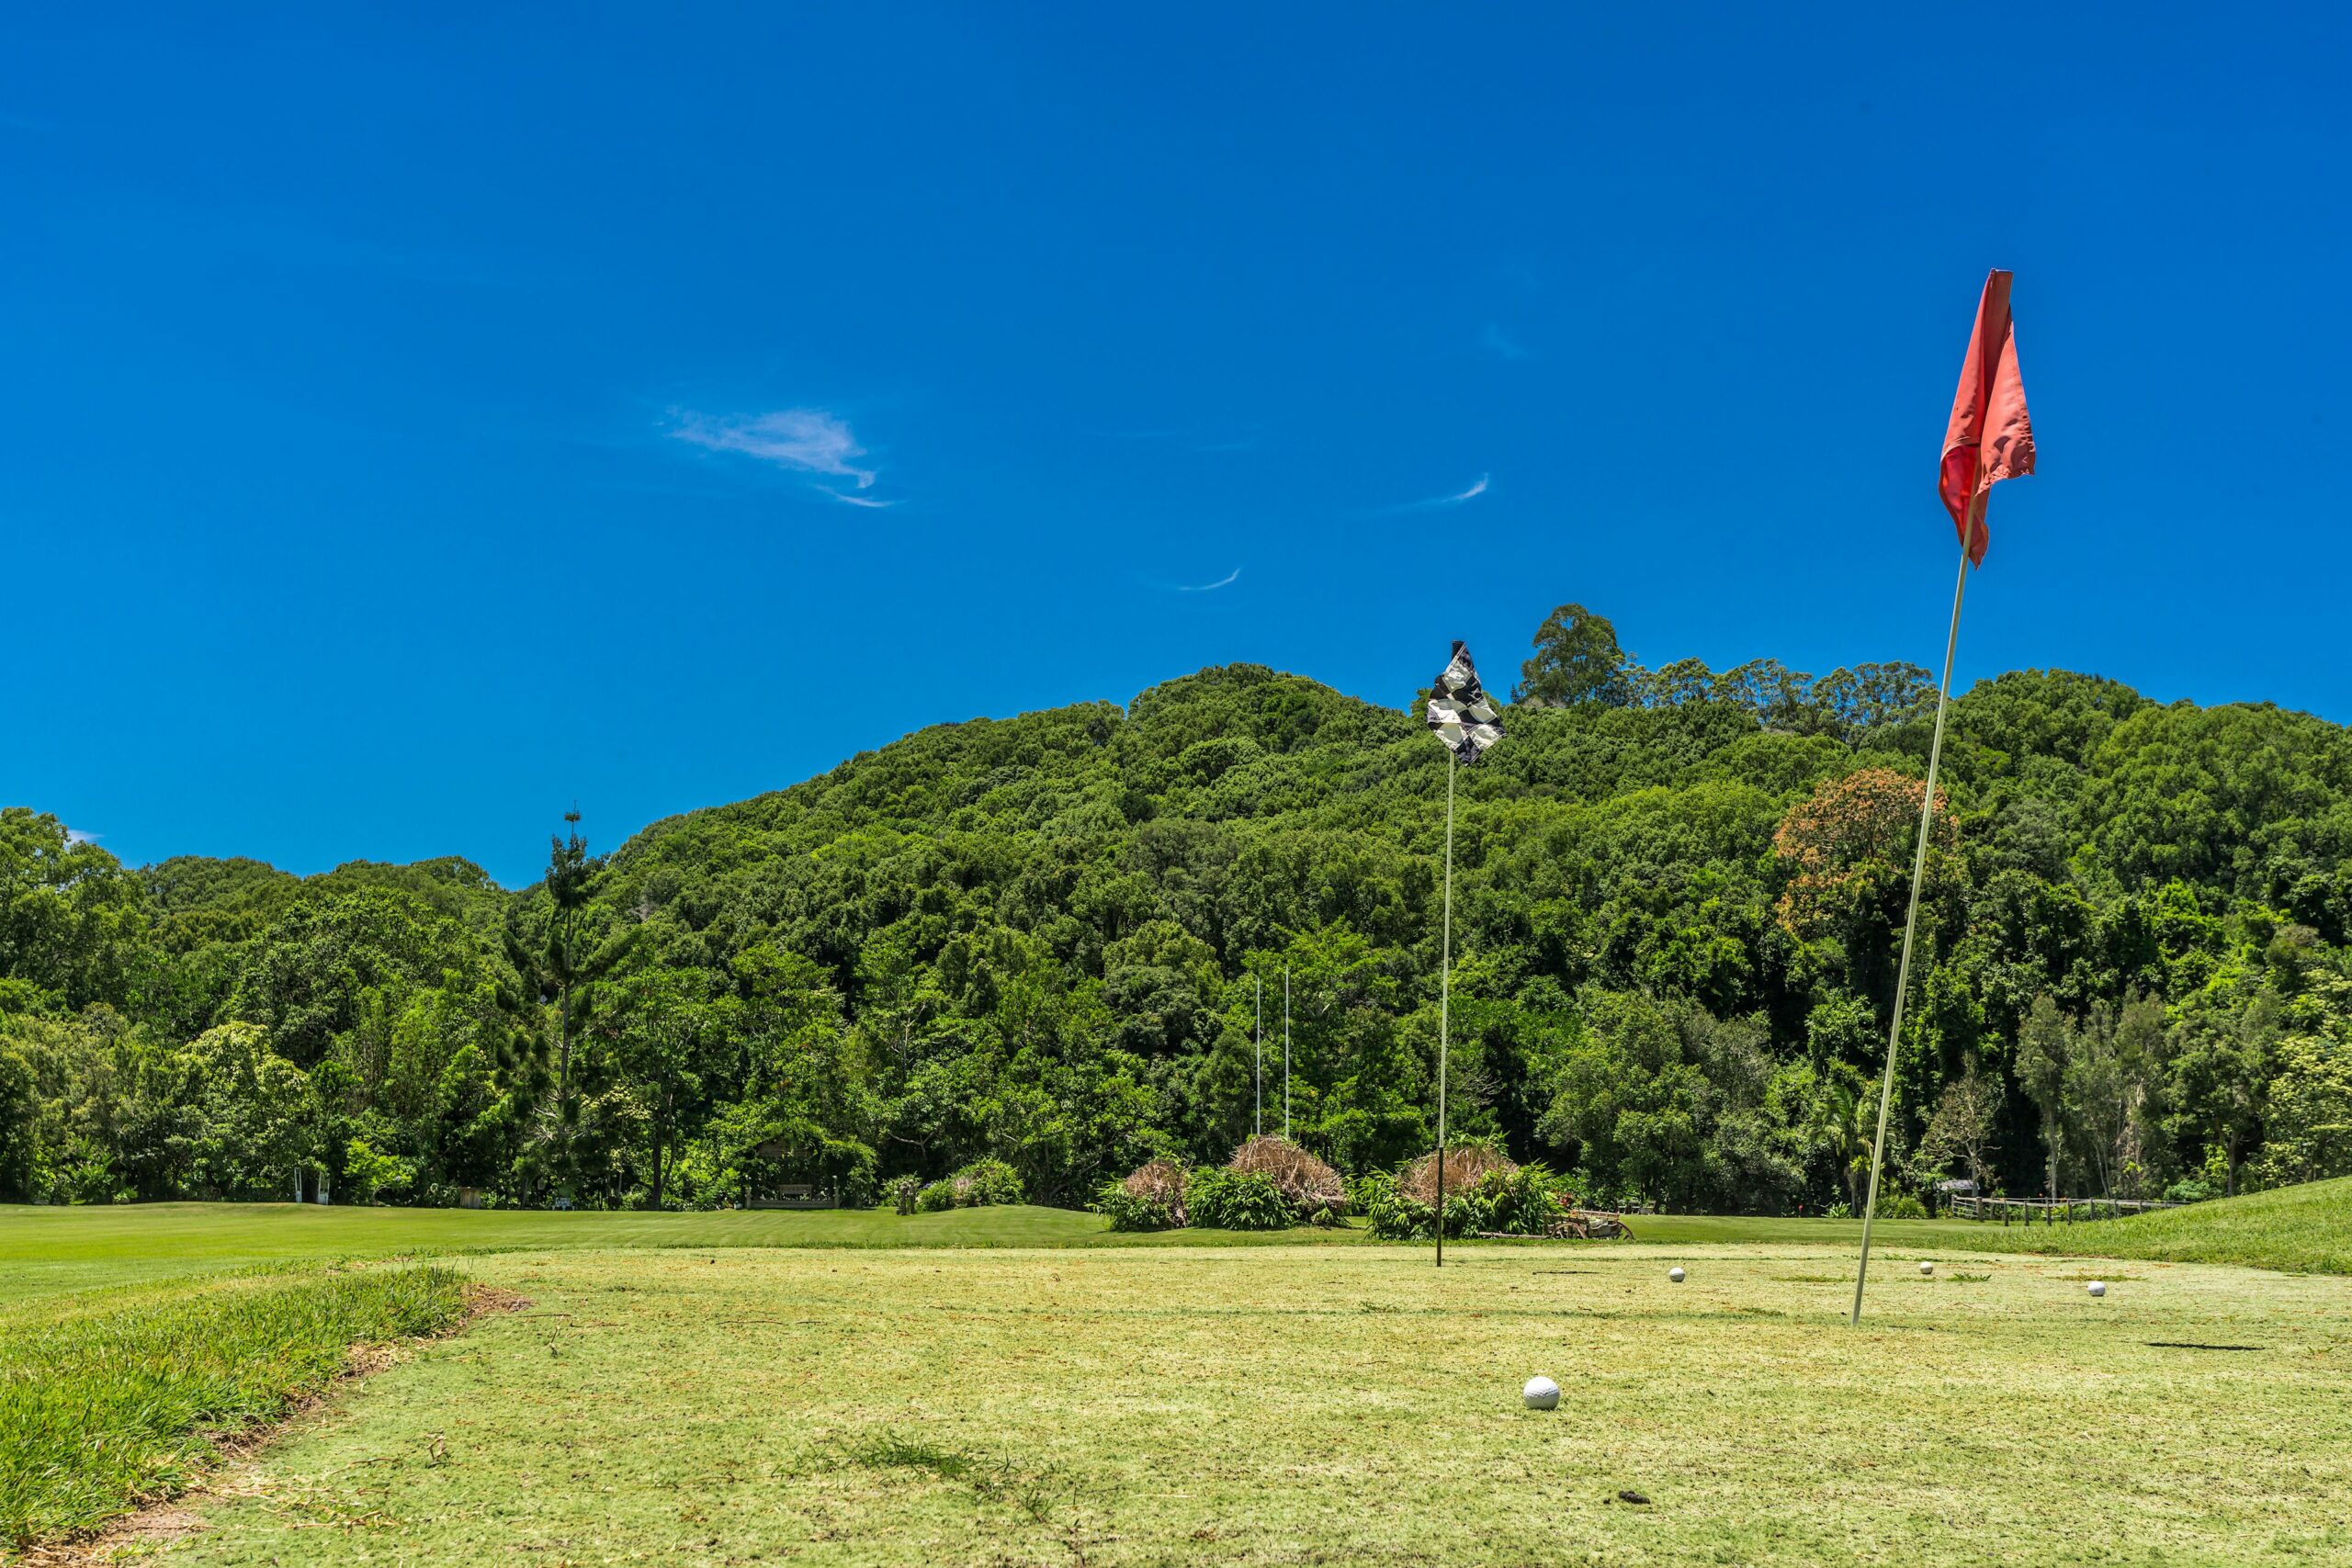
2098,1287
1675,1274
1926,1268
1541,1393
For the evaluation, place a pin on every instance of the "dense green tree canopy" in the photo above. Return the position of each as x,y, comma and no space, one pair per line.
1042,940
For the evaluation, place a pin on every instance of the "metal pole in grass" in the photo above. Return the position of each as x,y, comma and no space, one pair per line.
1444,1003
1466,723
1910,931
1285,1052
1989,439
1257,1075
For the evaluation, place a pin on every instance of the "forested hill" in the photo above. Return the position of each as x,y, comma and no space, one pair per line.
1677,899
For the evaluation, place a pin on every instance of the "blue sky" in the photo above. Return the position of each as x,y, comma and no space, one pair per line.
412,426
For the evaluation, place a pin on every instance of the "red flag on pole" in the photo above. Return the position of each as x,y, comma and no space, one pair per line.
1989,438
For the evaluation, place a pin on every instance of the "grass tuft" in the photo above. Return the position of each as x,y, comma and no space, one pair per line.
108,1400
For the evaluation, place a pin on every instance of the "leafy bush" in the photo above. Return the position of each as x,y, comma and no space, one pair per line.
939,1195
1131,1212
1227,1200
1526,1201
1902,1206
904,1193
1307,1185
1159,1185
1465,1163
985,1181
2188,1190
1503,1199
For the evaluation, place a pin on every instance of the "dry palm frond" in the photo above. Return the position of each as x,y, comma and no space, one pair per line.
1161,1182
1464,1164
1306,1183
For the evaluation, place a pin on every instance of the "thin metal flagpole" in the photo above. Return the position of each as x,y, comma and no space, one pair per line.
1444,1001
1259,1126
1285,1052
1911,922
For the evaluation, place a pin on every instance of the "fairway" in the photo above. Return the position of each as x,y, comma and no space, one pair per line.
1339,1405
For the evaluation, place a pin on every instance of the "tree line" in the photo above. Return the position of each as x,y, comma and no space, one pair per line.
1678,902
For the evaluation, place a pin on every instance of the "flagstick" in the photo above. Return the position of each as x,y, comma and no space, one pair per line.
1444,1002
1258,1074
1910,925
1285,1052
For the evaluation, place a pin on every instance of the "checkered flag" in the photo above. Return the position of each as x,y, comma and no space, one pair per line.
1461,715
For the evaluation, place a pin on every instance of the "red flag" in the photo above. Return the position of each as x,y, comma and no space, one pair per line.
1989,438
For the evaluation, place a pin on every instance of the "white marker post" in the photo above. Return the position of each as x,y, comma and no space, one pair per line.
1258,1126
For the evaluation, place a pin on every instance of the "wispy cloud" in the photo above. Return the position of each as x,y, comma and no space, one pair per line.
848,500
75,836
1497,342
808,440
1475,492
1228,581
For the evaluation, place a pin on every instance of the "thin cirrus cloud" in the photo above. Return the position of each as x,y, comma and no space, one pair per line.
1475,492
1228,581
846,499
808,441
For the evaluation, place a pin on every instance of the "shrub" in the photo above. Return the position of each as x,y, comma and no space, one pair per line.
940,1194
1394,1216
1902,1206
1306,1184
2188,1190
1161,1181
1228,1200
1528,1200
1128,1212
904,1191
1464,1164
987,1181
1503,1199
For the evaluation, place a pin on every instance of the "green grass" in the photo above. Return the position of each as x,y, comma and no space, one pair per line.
110,1396
2302,1229
2305,1229
1345,1404
1017,1385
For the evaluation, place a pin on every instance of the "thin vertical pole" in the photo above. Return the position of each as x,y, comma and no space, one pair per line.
1910,928
1444,1003
1258,1128
1285,1052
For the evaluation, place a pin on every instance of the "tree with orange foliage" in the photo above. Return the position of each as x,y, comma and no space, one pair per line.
1849,845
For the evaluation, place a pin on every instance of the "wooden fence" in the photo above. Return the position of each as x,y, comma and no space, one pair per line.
2048,1212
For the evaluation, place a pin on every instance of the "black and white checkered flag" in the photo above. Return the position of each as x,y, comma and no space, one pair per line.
1461,715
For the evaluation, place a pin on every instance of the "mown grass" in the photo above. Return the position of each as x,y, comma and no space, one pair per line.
1350,1405
110,1397
2303,1229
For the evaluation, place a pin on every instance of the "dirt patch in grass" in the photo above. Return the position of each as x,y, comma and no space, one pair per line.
166,1515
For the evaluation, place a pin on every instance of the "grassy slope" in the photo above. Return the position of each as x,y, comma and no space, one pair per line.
1337,1404
107,1398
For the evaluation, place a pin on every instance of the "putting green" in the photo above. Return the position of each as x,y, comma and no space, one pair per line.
1344,1405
